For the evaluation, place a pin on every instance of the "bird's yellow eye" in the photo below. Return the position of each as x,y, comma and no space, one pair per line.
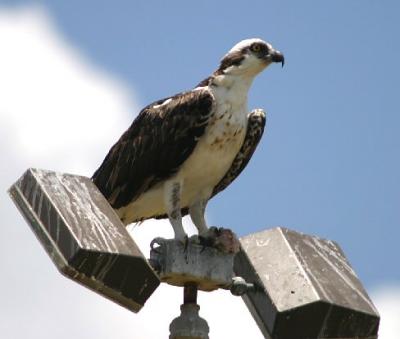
256,48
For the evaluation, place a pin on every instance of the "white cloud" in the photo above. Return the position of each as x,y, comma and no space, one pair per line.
58,111
387,300
59,107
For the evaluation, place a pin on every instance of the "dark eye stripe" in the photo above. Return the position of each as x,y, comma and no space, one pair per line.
259,48
233,59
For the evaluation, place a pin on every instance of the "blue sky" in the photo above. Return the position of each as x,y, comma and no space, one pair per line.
329,161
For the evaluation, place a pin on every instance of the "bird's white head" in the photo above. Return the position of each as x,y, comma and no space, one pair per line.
249,57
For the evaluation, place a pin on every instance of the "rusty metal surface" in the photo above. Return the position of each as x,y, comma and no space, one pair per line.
83,236
306,288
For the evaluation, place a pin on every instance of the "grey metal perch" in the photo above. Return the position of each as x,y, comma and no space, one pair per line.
296,286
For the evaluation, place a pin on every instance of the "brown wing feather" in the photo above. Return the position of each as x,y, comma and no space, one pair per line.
159,140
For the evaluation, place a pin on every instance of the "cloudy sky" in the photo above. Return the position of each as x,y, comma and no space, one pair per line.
72,79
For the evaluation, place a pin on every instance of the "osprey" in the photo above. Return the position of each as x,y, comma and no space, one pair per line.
182,150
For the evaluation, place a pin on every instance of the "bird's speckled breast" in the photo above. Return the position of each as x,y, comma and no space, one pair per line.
210,160
215,151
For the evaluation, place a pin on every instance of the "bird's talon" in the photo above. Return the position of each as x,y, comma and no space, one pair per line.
203,247
185,243
156,241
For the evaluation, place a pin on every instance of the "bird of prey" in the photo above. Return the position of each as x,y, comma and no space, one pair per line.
182,150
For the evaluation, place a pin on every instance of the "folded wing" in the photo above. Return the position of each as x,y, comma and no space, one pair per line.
157,143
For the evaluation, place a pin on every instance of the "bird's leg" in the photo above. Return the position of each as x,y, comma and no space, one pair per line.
220,238
196,212
173,191
206,235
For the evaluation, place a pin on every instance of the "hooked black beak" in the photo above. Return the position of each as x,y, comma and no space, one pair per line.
277,56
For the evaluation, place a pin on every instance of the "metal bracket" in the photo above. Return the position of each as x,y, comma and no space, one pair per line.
178,264
240,287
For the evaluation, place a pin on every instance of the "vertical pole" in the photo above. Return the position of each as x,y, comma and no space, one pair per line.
190,293
189,324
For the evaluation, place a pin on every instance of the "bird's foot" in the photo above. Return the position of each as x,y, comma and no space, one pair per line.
223,239
185,242
156,243
159,241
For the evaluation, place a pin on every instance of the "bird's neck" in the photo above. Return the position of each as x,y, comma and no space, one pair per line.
233,87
